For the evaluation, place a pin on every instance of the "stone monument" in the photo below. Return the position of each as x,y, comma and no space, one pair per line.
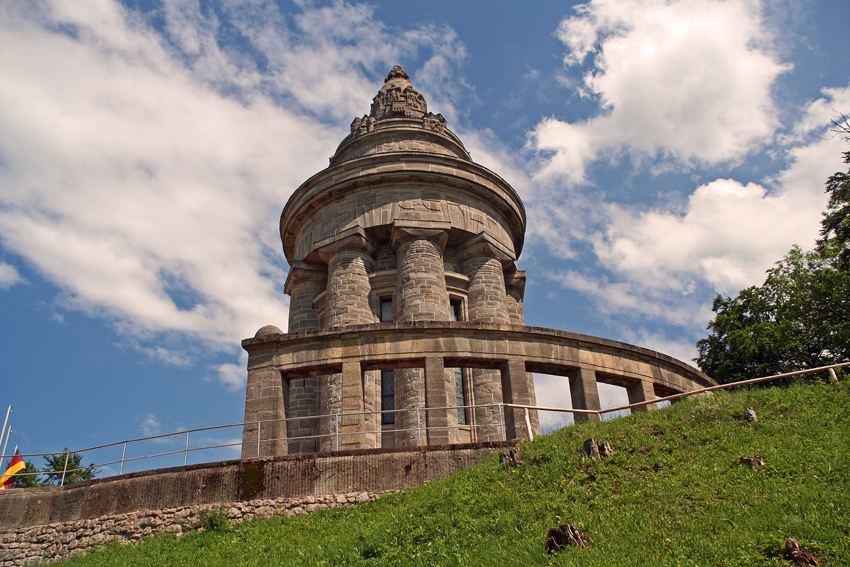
406,324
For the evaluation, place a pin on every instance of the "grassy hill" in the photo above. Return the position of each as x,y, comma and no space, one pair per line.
673,493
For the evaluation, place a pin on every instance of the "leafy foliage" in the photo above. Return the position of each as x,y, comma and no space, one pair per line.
799,317
29,481
54,465
74,472
835,226
214,519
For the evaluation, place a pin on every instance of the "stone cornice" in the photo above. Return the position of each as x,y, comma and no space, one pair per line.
343,339
392,168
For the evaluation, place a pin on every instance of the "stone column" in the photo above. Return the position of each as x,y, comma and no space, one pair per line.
351,427
264,401
516,391
442,429
304,282
421,289
515,291
584,394
482,264
348,288
347,301
420,296
641,391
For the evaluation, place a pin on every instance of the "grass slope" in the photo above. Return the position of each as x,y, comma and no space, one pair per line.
674,493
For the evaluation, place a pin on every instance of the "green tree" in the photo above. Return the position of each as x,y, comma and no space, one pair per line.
800,316
74,472
835,226
29,481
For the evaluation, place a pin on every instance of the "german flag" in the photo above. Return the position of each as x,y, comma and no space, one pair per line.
16,466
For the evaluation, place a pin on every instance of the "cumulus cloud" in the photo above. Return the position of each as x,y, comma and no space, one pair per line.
685,81
9,276
665,264
231,376
730,233
144,169
149,425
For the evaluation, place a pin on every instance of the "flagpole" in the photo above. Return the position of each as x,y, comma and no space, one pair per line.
2,432
9,434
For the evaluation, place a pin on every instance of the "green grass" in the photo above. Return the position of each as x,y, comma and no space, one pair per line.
674,493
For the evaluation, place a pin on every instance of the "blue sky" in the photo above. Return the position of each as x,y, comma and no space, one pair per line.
665,151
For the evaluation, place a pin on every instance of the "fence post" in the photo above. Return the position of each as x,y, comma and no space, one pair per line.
336,429
833,375
123,453
502,421
259,426
64,469
419,427
528,424
186,451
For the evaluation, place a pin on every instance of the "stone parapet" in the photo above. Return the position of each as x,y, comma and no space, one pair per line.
291,476
474,345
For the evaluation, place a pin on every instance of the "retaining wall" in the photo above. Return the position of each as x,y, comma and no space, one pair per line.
293,476
44,544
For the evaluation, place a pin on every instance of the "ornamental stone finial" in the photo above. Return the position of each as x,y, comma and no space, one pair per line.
397,73
398,98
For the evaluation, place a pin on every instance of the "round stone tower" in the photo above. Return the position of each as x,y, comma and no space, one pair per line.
403,254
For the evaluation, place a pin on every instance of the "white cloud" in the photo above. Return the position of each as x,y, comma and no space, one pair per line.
665,263
150,425
144,174
730,233
688,81
9,276
232,376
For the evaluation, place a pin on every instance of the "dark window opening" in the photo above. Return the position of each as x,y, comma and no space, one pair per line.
460,396
455,310
386,311
387,396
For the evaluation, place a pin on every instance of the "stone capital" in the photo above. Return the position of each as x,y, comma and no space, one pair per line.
482,244
304,271
354,238
435,231
515,284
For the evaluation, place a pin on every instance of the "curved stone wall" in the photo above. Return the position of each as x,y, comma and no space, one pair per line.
513,351
378,191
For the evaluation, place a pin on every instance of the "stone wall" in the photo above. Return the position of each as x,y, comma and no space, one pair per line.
292,476
53,542
47,524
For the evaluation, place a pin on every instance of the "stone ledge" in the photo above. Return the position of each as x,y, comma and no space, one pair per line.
368,334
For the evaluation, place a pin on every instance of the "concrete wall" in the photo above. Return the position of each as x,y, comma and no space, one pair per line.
364,470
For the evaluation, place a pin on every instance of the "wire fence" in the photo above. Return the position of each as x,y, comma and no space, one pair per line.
335,437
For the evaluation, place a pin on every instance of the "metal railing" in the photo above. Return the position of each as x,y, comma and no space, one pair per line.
339,436
420,413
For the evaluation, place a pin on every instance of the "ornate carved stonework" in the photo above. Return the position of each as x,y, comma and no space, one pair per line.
398,98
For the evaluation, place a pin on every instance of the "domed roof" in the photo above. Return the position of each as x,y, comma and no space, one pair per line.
399,121
268,330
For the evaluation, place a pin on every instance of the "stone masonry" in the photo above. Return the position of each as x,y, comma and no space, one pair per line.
33,545
404,231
